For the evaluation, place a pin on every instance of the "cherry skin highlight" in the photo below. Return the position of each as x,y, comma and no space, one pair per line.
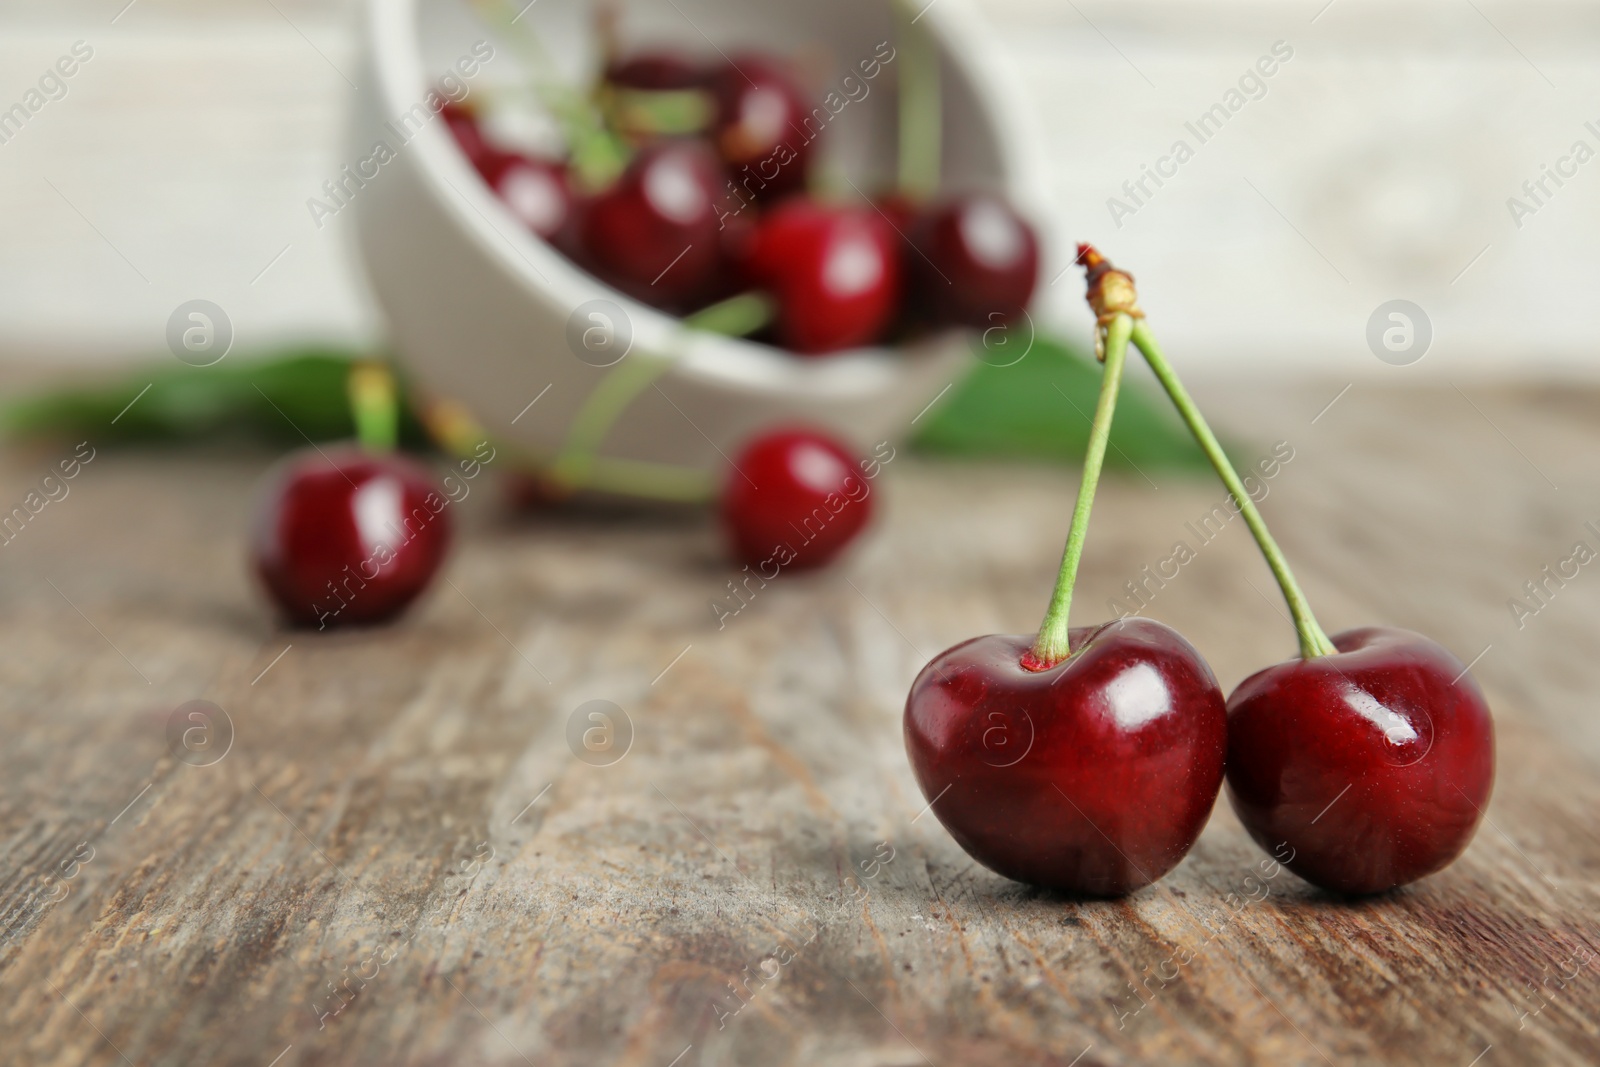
794,500
536,191
1093,776
1373,764
349,538
975,262
832,270
760,127
654,234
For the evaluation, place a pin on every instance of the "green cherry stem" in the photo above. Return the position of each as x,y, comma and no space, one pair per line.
1053,643
374,407
1313,641
598,155
921,106
737,316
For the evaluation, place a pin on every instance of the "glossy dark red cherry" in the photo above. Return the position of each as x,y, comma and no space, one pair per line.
1373,765
1094,776
654,233
535,190
760,126
978,262
833,271
348,538
794,500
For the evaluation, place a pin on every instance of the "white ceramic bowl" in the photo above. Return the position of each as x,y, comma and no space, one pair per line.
479,309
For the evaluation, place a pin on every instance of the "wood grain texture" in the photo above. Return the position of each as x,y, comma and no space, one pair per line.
751,882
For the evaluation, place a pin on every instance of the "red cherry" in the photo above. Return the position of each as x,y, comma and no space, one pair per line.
1373,765
975,262
794,499
655,70
760,127
833,271
469,136
652,94
654,233
1094,776
349,537
901,212
536,191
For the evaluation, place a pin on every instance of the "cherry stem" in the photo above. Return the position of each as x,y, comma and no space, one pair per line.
737,316
646,113
921,107
452,427
597,155
374,406
1313,640
600,411
1053,643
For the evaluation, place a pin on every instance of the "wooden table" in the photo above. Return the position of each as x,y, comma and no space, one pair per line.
401,815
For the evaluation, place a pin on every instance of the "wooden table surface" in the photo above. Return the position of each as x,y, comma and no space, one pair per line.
401,859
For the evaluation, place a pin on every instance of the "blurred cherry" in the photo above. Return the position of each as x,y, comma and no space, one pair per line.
343,536
900,211
794,499
760,126
653,94
536,191
833,271
655,70
654,233
975,262
469,135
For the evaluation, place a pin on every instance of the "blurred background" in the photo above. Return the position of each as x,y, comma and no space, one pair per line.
1384,160
1440,153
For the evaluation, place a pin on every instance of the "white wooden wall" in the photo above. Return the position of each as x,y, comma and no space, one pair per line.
1377,165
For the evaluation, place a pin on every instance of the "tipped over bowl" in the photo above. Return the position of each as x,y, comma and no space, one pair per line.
572,375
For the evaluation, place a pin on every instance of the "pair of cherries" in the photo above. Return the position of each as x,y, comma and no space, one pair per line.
1090,764
704,214
1095,775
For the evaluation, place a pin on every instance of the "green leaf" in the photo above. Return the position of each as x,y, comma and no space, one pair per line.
1036,409
1040,408
281,401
